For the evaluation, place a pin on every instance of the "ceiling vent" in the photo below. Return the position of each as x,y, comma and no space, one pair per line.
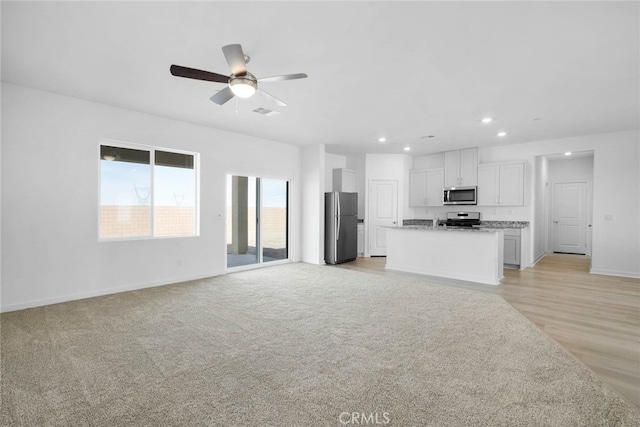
266,112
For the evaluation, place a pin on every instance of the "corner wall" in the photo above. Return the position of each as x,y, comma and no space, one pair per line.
50,249
313,181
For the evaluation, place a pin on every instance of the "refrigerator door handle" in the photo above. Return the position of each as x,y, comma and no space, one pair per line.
337,195
338,229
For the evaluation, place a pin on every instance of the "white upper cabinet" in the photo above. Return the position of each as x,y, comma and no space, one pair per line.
425,187
501,184
512,184
435,182
344,180
417,188
461,168
488,185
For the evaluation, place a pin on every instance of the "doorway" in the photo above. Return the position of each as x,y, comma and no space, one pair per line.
257,229
383,212
563,203
570,217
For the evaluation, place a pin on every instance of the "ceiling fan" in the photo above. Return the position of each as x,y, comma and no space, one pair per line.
240,83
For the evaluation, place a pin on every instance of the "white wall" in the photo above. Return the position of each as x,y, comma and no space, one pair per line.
313,179
616,178
0,200
50,248
540,203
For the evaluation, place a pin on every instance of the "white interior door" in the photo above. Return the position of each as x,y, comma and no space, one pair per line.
570,217
383,212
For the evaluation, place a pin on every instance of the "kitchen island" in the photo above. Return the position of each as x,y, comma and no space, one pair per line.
471,254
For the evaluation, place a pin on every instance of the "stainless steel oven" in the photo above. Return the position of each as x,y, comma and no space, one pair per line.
460,196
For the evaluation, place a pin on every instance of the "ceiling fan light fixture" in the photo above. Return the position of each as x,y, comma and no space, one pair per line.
243,86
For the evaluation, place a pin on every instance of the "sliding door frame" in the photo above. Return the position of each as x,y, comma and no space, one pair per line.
259,230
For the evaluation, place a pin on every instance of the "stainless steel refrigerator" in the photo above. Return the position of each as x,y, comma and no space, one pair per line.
340,227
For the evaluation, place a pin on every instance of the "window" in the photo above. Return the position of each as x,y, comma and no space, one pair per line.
147,192
257,220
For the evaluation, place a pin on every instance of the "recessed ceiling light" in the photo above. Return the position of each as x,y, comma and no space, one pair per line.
487,120
568,153
407,148
501,134
382,139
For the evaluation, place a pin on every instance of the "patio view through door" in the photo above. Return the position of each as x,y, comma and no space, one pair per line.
257,220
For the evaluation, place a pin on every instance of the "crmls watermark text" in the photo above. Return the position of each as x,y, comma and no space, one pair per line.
362,418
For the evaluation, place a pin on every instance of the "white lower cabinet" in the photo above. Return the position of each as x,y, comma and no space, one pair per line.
512,248
360,239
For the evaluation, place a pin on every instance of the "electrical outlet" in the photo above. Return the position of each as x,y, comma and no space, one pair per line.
608,217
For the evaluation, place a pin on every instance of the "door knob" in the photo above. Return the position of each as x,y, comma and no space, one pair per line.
394,222
555,222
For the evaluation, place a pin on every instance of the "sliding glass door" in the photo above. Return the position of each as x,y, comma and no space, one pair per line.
275,221
257,220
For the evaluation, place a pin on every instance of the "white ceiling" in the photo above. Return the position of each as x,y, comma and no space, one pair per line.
400,70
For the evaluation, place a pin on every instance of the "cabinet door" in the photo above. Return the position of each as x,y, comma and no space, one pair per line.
488,185
512,184
348,181
360,239
435,182
344,180
512,250
452,168
469,167
418,188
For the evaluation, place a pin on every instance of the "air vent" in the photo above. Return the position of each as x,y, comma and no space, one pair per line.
266,111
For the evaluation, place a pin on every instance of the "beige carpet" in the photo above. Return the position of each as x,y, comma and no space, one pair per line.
294,345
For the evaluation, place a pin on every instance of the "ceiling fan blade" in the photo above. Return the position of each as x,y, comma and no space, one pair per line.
235,58
284,77
222,96
272,98
192,73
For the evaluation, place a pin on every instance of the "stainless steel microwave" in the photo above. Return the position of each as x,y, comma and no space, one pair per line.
460,196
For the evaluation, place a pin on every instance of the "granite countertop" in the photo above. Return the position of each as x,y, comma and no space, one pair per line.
449,229
503,225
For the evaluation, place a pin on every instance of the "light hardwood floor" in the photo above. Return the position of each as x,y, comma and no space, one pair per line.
595,318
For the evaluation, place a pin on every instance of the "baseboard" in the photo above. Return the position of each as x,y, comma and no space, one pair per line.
604,272
98,293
